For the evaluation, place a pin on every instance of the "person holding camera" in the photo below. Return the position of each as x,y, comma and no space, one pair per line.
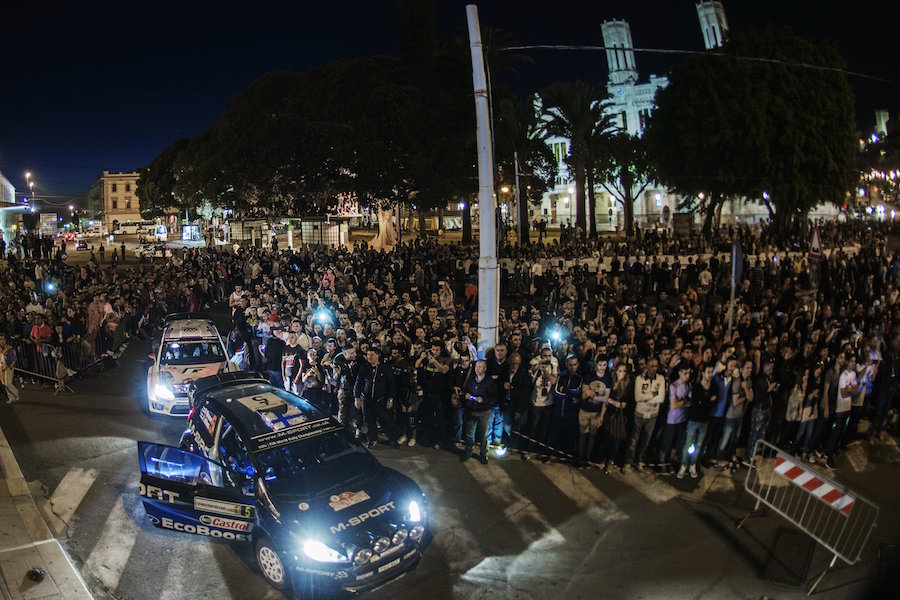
374,395
432,368
480,395
544,370
346,369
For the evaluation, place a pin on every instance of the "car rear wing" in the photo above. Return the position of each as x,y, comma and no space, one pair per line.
222,380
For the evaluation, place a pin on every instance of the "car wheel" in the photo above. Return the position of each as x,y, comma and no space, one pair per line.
270,563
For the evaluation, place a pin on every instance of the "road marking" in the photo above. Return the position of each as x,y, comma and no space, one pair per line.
582,492
67,496
516,508
648,486
113,549
455,542
856,456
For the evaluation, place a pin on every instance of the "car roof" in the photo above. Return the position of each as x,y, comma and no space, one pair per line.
182,329
267,417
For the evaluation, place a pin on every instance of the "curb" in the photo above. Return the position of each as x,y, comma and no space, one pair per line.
40,548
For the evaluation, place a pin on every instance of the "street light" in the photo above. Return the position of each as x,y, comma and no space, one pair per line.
504,189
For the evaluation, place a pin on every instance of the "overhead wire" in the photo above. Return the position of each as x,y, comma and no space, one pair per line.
759,59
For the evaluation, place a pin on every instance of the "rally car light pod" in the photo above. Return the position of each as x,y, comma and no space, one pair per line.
414,512
319,552
163,392
400,536
381,544
417,532
363,555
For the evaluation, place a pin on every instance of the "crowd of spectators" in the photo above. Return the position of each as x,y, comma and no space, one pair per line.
631,364
610,352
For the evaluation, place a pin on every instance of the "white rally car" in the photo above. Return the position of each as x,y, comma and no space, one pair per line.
190,348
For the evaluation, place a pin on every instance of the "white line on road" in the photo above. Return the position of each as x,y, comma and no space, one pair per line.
648,486
582,492
113,549
516,508
67,496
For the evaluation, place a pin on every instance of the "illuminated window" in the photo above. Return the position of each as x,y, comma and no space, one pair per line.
128,202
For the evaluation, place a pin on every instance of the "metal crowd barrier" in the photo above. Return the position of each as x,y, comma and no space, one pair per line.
59,364
833,515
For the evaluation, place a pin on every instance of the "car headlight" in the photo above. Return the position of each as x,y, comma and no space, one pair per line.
319,552
413,512
162,392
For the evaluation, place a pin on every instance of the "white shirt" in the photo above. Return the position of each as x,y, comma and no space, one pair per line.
847,378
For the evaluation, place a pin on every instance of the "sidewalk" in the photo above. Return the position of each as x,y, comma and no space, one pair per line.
26,543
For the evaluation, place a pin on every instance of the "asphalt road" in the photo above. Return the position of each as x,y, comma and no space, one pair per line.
512,529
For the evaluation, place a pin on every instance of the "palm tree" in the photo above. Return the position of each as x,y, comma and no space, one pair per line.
519,135
572,110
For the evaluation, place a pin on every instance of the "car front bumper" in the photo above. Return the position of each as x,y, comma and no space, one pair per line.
318,577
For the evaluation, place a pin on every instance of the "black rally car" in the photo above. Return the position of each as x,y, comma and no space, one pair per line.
261,465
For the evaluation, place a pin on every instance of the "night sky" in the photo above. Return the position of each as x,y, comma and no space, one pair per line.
108,86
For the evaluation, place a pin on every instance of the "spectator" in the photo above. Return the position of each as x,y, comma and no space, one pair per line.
480,396
699,409
649,394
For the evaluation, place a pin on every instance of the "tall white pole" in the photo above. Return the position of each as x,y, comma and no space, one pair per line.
488,275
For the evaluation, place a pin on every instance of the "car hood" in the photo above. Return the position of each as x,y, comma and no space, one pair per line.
366,508
187,373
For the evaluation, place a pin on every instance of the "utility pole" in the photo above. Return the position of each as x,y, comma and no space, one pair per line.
488,275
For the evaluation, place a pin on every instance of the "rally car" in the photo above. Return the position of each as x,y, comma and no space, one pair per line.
261,465
190,348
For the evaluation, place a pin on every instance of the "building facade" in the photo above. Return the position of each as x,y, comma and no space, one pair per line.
631,102
9,212
113,199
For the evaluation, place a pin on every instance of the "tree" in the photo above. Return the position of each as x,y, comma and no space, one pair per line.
518,133
734,127
624,170
572,110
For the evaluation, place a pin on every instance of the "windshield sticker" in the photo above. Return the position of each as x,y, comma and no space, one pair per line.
223,508
263,402
363,517
347,499
297,433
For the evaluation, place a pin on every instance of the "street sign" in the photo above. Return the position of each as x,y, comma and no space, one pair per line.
815,246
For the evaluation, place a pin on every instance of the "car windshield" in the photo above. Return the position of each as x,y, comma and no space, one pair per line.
191,353
315,465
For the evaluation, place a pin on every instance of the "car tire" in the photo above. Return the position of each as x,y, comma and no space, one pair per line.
270,564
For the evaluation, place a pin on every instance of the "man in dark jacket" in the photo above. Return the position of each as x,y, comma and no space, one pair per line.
479,396
498,371
518,388
346,369
273,351
374,394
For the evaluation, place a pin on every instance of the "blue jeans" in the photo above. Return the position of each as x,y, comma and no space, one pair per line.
693,436
759,425
495,429
804,434
730,433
